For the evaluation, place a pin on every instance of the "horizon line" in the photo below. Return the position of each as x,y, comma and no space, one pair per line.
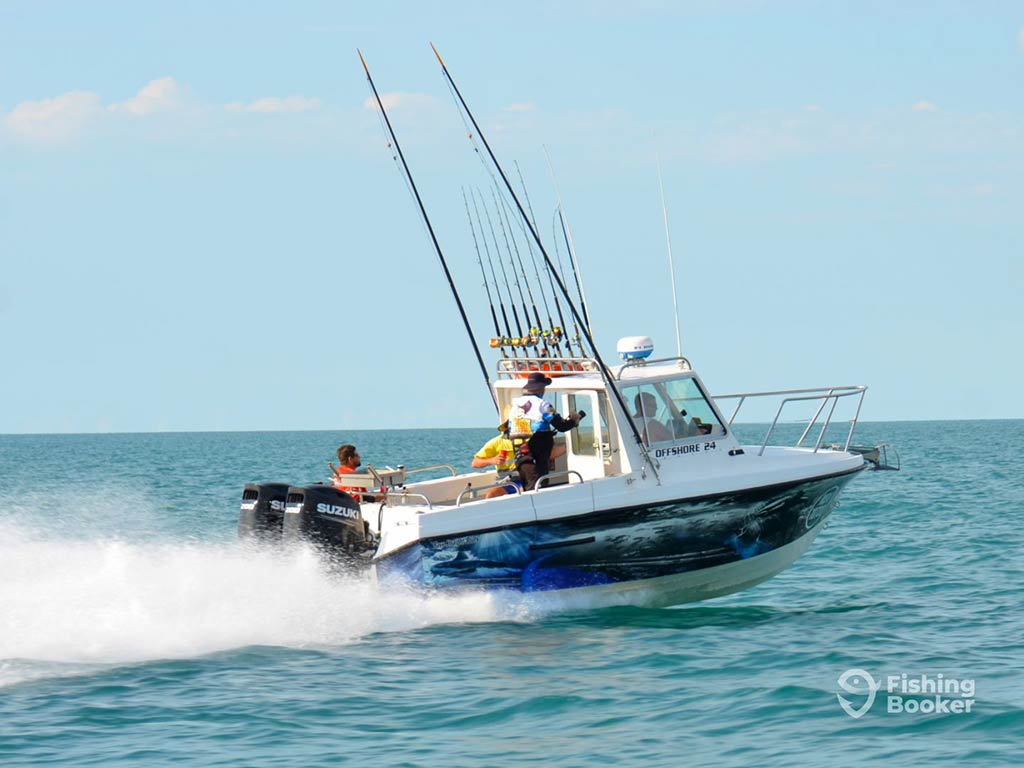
417,429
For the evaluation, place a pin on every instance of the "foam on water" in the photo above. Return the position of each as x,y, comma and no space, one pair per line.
108,600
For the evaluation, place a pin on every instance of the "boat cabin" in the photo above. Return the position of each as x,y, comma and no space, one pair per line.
665,399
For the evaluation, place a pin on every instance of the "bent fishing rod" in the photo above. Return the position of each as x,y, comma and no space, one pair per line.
433,237
605,372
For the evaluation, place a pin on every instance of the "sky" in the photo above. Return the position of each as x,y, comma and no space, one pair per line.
202,226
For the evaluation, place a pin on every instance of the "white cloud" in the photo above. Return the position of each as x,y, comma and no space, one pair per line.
401,100
1020,39
54,120
924,106
981,189
155,96
159,106
522,106
65,117
270,104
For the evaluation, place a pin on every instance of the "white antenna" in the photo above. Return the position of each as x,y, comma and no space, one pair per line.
671,261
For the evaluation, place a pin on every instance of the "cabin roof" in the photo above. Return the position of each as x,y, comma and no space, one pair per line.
635,372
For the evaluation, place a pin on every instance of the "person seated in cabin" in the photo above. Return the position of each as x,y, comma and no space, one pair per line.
692,427
533,422
348,464
498,452
699,427
651,430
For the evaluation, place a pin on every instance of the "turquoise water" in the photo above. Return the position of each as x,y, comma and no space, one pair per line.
135,630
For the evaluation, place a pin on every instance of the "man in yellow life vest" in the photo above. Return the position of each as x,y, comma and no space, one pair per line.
499,453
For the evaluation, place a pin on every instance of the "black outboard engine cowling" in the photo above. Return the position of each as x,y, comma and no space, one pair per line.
327,517
262,513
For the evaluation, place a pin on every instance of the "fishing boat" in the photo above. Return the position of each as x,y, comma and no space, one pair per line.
655,500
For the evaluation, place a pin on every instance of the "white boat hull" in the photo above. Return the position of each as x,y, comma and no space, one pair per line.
657,554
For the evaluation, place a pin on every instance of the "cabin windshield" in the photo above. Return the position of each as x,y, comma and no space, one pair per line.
673,409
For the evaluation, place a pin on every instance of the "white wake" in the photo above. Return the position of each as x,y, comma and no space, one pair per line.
109,600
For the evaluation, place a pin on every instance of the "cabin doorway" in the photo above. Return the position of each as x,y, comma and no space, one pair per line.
585,445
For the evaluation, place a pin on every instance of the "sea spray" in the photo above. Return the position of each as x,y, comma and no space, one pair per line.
109,600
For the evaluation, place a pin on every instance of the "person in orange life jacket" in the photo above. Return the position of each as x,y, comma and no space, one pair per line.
348,464
533,420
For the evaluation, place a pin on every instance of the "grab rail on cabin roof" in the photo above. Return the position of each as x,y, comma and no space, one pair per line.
825,394
684,364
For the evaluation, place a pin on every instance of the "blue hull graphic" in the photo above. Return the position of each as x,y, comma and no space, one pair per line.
620,545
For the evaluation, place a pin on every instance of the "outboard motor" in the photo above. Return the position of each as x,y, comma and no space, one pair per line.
262,514
329,518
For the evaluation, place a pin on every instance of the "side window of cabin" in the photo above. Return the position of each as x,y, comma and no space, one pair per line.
651,410
671,410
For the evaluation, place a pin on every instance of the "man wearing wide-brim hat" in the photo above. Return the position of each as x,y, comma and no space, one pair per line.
532,425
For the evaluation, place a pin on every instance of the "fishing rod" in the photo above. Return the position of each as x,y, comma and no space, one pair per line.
433,237
536,331
547,335
526,193
506,340
524,337
575,272
569,244
606,373
495,342
551,283
561,317
558,257
554,294
556,332
550,335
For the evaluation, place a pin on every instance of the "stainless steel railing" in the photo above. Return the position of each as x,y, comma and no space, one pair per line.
829,396
681,363
546,479
473,490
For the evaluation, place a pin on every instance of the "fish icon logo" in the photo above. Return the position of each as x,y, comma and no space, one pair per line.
860,682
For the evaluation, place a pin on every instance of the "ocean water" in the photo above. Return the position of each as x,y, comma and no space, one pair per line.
136,630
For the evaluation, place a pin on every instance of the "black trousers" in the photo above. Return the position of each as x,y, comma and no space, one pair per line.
533,458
